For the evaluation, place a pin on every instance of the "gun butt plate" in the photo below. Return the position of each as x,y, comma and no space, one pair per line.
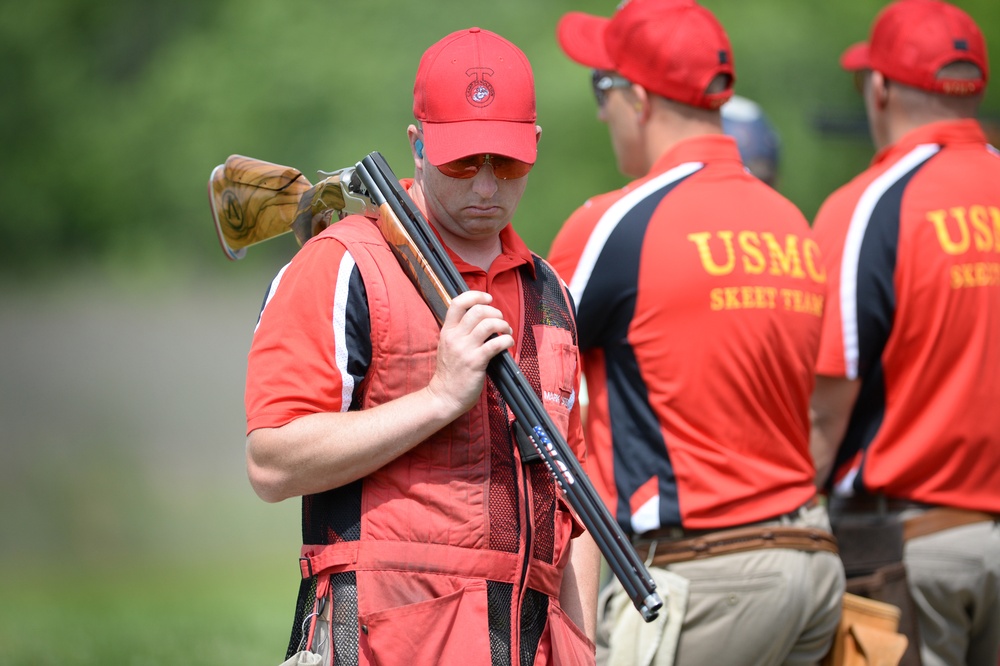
233,255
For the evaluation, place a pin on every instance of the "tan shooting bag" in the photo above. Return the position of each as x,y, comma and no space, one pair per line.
868,634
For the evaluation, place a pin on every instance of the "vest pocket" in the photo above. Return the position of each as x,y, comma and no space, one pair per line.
557,361
449,630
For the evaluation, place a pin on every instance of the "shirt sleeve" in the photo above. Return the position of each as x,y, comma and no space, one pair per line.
311,348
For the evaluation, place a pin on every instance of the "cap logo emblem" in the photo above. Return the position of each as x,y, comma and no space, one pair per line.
480,92
961,45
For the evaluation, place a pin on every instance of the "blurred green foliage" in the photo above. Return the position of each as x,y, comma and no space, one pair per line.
115,111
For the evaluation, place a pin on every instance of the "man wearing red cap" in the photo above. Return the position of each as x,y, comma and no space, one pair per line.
426,539
906,429
699,293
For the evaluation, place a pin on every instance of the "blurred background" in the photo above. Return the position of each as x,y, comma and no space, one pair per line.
128,531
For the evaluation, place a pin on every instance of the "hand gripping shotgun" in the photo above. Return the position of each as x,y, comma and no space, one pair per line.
253,201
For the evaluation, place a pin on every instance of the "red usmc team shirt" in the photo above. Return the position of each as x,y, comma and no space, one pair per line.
699,293
912,250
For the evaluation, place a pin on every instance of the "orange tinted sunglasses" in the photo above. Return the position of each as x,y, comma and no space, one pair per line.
504,168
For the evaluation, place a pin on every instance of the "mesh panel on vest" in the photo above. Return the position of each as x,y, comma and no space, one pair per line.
543,502
499,598
534,613
344,588
332,516
504,509
545,301
303,606
343,614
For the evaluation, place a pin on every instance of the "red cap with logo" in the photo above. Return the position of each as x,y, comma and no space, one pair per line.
475,94
911,40
673,48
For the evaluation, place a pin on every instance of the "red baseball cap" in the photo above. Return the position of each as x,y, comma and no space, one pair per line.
475,93
911,40
673,48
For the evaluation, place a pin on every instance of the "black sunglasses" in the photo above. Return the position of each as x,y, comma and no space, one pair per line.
602,81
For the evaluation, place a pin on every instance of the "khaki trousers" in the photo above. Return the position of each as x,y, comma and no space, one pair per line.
954,578
757,608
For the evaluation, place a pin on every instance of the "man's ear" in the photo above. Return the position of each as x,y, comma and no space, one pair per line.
416,145
880,89
640,102
538,133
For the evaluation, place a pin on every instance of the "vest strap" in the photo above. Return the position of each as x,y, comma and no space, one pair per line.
426,558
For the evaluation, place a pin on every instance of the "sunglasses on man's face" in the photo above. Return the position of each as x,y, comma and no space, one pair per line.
603,81
504,168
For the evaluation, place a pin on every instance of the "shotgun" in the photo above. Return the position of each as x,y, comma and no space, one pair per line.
251,201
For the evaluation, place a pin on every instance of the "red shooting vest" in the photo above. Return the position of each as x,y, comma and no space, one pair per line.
456,542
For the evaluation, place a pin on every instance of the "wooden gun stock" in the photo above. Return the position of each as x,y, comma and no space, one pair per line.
253,201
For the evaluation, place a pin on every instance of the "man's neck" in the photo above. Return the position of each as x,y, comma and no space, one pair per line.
480,253
667,129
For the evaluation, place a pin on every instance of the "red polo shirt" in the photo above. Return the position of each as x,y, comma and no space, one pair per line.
699,294
912,250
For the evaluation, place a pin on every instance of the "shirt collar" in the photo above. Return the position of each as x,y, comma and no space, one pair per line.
703,148
941,132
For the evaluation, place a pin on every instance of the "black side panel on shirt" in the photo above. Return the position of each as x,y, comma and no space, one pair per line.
606,310
358,329
335,515
876,308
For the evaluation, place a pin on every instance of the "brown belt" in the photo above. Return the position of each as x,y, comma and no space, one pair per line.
736,540
943,518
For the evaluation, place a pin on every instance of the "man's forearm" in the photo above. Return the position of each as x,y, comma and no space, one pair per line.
830,413
322,451
581,580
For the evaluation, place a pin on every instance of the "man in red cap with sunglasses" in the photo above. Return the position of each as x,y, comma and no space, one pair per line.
427,540
906,429
699,293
